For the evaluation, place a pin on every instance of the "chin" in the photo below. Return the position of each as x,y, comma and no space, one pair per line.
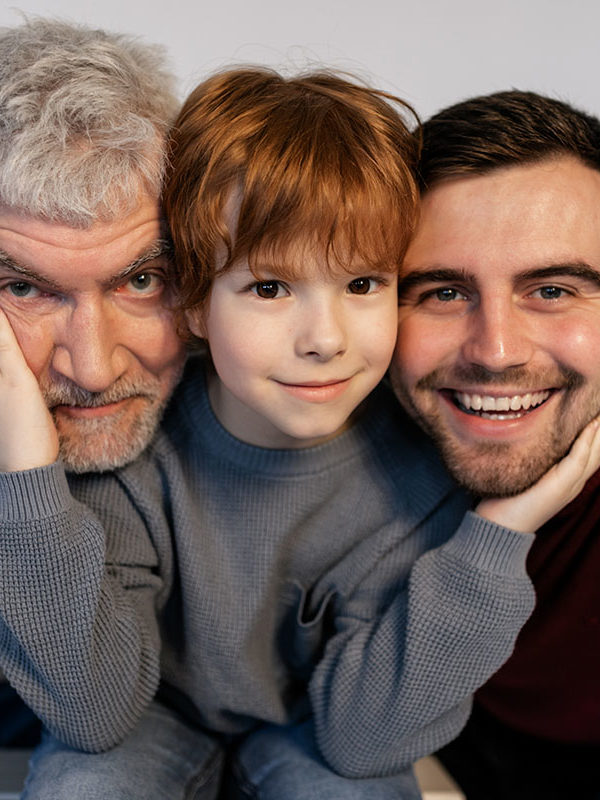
101,445
497,470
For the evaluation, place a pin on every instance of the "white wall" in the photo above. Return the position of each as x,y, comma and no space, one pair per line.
432,52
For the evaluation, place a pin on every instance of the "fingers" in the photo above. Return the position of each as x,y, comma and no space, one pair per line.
583,459
11,357
562,483
28,437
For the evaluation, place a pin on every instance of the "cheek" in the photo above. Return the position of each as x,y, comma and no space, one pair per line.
154,342
237,351
378,339
36,340
420,347
576,346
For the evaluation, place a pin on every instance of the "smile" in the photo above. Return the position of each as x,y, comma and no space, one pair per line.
316,392
500,408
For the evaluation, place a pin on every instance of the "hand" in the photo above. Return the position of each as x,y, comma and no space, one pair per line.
562,483
28,437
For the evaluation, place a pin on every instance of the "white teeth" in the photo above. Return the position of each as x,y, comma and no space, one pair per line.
485,402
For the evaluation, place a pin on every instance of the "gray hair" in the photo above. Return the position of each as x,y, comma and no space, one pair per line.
84,116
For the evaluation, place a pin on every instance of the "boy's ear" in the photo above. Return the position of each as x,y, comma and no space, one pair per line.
195,322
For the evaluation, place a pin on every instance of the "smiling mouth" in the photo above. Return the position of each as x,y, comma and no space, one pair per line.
499,408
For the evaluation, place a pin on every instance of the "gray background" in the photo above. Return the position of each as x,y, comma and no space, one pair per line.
431,53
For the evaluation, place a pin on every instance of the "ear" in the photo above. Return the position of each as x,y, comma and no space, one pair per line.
195,322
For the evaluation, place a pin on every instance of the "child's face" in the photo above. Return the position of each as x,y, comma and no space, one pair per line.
294,358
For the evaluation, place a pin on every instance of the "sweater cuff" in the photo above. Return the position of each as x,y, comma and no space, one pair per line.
34,494
489,546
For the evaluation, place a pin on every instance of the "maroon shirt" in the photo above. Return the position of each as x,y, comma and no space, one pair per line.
550,686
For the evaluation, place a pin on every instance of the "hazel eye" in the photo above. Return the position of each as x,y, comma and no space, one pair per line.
268,290
447,294
145,282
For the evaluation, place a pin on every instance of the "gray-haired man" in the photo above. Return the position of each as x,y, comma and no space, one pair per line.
83,259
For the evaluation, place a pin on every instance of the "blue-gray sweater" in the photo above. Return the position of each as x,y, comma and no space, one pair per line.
259,585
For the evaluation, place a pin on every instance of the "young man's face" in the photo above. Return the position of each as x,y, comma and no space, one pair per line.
88,309
498,355
296,357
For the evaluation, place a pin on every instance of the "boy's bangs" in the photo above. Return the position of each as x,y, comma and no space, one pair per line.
353,229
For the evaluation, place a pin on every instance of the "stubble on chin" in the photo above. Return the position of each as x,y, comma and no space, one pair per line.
110,441
502,469
498,469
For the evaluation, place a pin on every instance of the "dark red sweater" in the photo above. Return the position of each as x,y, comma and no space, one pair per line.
550,686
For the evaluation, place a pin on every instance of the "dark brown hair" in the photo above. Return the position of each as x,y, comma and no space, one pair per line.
504,129
312,161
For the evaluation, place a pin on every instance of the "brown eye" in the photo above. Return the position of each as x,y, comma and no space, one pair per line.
360,286
268,290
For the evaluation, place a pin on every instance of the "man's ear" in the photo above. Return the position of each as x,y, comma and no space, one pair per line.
195,322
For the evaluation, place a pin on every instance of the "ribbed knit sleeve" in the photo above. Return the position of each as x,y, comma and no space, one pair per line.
396,686
78,636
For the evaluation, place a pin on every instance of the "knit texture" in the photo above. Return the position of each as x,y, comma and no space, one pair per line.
260,585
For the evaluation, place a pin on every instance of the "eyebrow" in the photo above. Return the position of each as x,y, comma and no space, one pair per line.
575,270
435,275
157,249
578,269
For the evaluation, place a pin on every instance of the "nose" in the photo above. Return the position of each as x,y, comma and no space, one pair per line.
87,350
498,336
321,330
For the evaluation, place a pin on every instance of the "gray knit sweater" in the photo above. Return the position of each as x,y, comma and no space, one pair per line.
259,585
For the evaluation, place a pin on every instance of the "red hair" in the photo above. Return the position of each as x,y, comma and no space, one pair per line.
314,161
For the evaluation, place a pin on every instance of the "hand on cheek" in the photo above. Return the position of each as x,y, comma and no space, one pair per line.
529,510
28,437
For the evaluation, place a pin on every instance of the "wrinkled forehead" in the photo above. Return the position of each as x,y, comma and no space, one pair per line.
61,253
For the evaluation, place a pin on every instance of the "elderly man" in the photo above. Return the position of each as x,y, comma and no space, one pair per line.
83,255
498,359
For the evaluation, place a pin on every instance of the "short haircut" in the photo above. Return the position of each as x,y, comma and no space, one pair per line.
84,116
315,161
501,130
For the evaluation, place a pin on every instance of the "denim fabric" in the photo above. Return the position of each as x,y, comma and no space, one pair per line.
283,764
163,759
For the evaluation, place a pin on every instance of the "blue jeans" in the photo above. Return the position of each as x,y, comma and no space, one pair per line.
165,759
276,763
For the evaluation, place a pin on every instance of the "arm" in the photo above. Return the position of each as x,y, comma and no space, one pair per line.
78,630
396,685
78,634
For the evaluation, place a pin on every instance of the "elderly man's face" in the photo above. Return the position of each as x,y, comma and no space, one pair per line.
89,309
498,355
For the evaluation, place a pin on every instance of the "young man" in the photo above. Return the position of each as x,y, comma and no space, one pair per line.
83,257
498,359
